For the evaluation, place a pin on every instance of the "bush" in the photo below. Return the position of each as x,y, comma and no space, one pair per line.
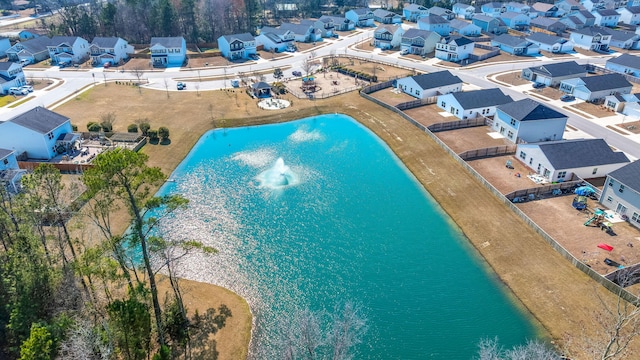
144,127
163,133
93,126
74,127
133,128
106,126
152,134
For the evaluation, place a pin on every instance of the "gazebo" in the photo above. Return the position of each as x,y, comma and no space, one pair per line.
261,89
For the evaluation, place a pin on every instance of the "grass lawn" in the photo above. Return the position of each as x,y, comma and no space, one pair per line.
558,295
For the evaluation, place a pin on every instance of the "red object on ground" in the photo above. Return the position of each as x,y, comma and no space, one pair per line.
605,246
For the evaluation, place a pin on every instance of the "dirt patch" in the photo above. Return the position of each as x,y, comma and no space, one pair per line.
392,97
470,138
512,78
597,111
631,126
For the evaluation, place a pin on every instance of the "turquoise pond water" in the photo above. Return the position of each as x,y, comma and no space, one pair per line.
338,218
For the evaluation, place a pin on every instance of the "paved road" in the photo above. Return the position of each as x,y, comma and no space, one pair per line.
73,80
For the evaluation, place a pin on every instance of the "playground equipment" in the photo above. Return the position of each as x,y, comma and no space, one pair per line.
599,220
579,203
509,165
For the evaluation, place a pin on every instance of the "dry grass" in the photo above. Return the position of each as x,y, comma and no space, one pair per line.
595,110
556,293
512,78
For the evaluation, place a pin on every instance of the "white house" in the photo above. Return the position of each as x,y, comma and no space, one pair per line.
10,173
606,17
464,11
630,15
517,7
40,133
340,23
627,104
593,88
113,50
419,42
362,17
515,45
550,43
464,28
493,9
515,20
237,46
386,17
427,85
527,120
168,51
11,75
444,13
489,24
68,49
560,160
543,9
435,23
454,48
387,36
625,64
548,24
554,73
471,104
276,40
591,38
33,50
303,32
414,12
324,26
623,39
621,192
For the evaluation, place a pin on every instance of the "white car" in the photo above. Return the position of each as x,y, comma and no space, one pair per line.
18,91
29,88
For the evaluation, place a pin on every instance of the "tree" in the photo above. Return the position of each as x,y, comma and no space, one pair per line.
307,66
277,73
107,120
93,126
144,126
490,349
131,325
132,128
163,133
39,345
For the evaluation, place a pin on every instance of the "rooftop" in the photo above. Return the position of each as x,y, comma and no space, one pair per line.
567,154
39,120
529,110
629,175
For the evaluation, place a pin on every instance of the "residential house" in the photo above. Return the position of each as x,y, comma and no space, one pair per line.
419,42
40,133
544,9
516,21
444,13
517,7
237,46
276,40
621,192
168,51
340,23
493,25
548,25
567,6
68,50
27,34
414,12
605,17
630,15
362,17
587,18
464,28
427,85
435,23
559,161
554,73
623,39
10,173
515,45
387,37
471,104
591,5
386,17
33,51
595,88
11,75
591,38
572,22
493,9
527,120
626,104
303,32
550,43
464,11
5,44
454,48
324,26
625,64
112,50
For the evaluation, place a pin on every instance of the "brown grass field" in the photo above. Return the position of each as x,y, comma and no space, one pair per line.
560,297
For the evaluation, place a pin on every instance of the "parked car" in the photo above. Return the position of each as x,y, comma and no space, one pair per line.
107,65
404,52
296,73
29,88
254,56
567,98
538,85
25,62
18,91
181,85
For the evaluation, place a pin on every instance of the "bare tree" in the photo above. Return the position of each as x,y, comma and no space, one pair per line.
490,349
166,87
137,72
307,66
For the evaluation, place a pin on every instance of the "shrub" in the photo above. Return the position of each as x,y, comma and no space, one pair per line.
106,126
163,133
133,128
144,127
93,126
74,127
152,134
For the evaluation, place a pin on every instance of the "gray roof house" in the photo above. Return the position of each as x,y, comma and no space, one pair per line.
621,192
550,43
561,160
386,17
625,64
427,85
515,45
548,24
552,74
595,88
419,42
623,39
471,104
527,120
34,50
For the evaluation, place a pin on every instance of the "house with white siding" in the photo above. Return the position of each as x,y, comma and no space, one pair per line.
517,7
554,73
454,48
464,11
550,43
303,32
559,161
168,51
621,192
427,85
276,40
629,15
11,75
591,38
435,23
387,37
529,121
33,50
594,88
515,20
464,28
68,50
237,46
471,104
493,9
625,64
606,17
419,42
414,12
444,13
493,25
112,50
623,39
386,17
40,133
362,17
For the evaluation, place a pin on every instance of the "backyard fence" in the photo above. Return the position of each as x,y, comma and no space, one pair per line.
606,283
536,192
417,103
493,51
630,78
488,152
459,124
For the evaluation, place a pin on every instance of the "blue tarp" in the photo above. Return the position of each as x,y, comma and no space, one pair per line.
584,191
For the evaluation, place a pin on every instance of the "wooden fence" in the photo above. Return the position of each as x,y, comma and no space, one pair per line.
460,124
493,51
606,283
543,190
64,168
630,78
488,152
416,103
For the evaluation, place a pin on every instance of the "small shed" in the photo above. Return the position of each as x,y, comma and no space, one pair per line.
261,90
